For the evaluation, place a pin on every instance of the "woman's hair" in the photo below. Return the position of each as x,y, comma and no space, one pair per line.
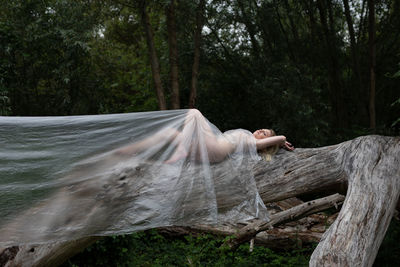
268,152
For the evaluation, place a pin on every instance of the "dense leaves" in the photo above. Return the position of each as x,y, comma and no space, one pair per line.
46,66
152,249
389,252
288,65
299,67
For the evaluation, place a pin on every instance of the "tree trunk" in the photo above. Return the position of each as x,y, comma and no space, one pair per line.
372,62
372,195
361,24
335,88
173,54
360,90
275,238
285,34
288,236
196,57
45,255
369,165
248,232
350,26
155,65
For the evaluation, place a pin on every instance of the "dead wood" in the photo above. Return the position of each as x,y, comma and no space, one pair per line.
368,166
295,213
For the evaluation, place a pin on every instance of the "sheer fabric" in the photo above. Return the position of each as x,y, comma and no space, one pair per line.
63,178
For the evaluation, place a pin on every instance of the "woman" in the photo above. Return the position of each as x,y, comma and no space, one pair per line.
200,140
78,183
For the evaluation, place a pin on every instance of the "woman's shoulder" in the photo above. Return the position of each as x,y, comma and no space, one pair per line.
237,134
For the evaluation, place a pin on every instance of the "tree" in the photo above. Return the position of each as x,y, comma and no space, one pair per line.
45,57
354,55
173,54
155,65
196,57
367,164
335,87
372,63
273,64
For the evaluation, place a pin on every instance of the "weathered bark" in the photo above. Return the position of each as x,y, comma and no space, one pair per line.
155,65
196,56
50,255
370,165
276,238
374,186
283,236
372,62
249,231
173,54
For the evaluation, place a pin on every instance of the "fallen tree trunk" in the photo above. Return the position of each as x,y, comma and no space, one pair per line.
282,236
249,231
276,238
372,165
369,166
44,255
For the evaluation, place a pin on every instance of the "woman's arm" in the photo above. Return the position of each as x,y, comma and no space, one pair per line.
270,141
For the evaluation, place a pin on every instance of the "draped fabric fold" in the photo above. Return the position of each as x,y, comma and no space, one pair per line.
63,178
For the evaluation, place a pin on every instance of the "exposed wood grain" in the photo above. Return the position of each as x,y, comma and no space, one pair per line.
369,165
295,213
372,165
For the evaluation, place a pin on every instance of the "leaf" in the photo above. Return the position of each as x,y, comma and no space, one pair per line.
396,122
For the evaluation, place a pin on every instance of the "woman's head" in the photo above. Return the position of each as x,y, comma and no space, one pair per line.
267,152
263,133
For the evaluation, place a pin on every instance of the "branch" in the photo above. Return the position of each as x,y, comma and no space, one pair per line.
369,165
248,232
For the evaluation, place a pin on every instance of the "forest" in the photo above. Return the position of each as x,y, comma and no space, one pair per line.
320,72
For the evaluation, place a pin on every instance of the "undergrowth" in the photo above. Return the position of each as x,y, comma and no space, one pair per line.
389,251
150,248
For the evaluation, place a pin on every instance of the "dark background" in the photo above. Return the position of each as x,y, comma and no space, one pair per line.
319,72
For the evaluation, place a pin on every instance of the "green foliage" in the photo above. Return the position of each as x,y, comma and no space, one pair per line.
127,91
389,252
4,104
152,249
121,63
396,103
264,64
45,56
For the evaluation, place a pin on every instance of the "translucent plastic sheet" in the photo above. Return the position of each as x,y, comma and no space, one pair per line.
63,178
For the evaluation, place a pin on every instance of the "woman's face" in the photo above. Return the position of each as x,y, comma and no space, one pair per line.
262,133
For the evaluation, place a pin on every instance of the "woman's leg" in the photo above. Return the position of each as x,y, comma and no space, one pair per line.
165,135
185,138
198,139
